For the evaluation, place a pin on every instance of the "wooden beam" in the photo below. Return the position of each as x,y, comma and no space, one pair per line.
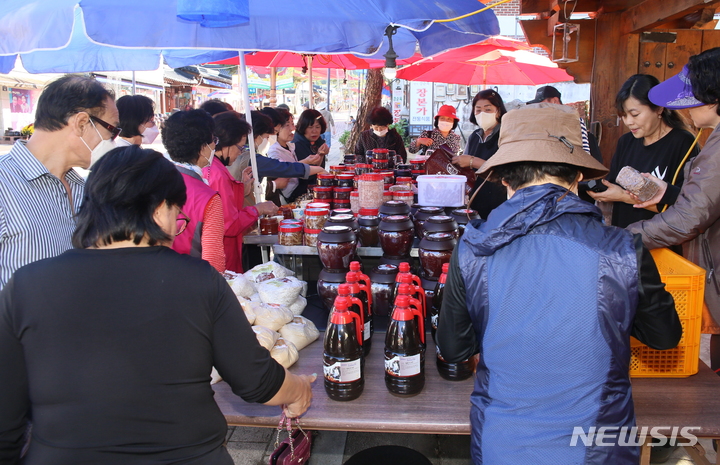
652,13
529,7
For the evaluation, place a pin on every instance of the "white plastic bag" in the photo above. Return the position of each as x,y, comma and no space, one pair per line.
215,376
271,316
266,336
239,284
246,305
284,352
269,270
300,332
298,306
280,291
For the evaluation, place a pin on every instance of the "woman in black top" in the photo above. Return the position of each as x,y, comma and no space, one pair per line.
488,108
380,136
656,144
308,136
108,348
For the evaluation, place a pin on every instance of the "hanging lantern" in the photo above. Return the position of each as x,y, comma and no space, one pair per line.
566,43
214,13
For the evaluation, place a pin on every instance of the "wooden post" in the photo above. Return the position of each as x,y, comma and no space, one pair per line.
370,99
273,87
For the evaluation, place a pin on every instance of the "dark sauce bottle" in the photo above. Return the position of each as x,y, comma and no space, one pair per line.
362,294
343,362
404,351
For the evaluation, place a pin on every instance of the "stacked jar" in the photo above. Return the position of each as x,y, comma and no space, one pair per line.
355,202
290,234
463,216
326,180
336,246
381,159
418,168
315,219
396,238
371,189
323,193
342,197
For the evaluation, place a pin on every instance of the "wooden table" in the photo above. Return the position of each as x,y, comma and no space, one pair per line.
443,407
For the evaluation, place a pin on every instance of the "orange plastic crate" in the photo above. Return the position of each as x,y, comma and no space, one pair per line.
686,282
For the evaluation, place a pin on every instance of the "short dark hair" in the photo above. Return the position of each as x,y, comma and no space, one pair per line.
704,72
307,118
523,172
67,96
284,114
134,111
437,119
230,128
214,106
492,97
380,116
273,115
261,124
122,192
638,86
186,132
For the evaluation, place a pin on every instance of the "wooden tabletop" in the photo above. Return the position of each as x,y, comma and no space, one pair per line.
443,407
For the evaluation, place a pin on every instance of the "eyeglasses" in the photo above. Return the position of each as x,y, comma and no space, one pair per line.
216,140
182,222
114,131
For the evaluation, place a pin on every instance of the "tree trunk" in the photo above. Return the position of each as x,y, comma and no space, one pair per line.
370,99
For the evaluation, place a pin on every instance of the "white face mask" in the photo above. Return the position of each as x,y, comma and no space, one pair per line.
150,134
264,145
212,157
487,121
380,133
101,149
445,126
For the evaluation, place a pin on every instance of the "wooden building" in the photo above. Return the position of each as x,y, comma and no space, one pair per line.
622,38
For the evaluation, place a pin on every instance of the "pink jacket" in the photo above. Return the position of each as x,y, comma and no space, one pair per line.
198,196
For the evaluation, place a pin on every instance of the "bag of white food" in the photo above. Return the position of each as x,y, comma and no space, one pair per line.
298,306
284,352
300,332
266,336
271,316
269,270
239,284
280,291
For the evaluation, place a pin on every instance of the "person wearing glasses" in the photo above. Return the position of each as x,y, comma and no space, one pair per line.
40,193
232,133
112,359
137,118
189,140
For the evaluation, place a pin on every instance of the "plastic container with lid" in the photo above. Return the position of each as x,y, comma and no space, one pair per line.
388,177
290,234
268,225
346,180
362,168
406,197
315,218
336,247
441,190
325,205
311,236
336,169
355,201
418,164
323,192
369,212
326,180
381,154
342,193
339,204
371,188
349,159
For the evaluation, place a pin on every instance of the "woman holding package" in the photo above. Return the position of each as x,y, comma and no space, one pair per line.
308,136
189,140
657,143
133,344
445,123
137,120
380,136
232,133
488,109
693,221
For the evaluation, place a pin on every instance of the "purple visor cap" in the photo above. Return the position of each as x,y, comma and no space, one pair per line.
675,93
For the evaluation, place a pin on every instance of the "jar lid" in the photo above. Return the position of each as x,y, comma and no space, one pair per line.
331,277
326,176
318,205
403,179
440,219
396,218
312,231
368,212
336,167
388,194
347,168
371,177
396,223
354,194
417,171
417,162
345,175
336,229
290,228
363,165
290,221
380,151
433,210
323,188
368,220
403,194
342,202
341,211
343,189
316,211
336,234
438,242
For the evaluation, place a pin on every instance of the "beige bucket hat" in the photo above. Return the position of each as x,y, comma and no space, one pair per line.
543,132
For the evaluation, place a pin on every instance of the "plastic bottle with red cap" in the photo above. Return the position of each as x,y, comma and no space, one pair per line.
363,294
343,361
404,350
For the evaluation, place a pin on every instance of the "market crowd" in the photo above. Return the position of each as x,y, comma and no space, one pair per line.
113,309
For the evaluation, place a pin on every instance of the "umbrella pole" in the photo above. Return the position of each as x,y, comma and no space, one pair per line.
134,90
312,99
251,138
327,103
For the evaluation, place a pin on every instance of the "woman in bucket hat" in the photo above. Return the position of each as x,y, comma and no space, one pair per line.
548,297
445,123
694,220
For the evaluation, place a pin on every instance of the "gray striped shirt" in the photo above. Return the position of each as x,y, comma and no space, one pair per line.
36,219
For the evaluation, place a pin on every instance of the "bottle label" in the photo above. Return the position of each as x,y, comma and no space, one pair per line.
342,372
366,331
403,365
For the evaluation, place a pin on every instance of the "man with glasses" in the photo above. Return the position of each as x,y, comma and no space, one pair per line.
40,192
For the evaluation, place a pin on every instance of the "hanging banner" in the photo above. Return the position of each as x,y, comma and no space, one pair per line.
259,78
421,102
397,100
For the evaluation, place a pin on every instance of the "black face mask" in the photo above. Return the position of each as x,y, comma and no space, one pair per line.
225,161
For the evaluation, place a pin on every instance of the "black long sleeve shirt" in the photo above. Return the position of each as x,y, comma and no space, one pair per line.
110,351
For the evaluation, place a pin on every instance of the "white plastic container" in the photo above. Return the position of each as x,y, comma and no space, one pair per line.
441,190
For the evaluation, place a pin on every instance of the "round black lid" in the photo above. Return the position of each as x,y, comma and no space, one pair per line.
394,207
336,234
438,242
332,277
424,213
384,274
461,215
440,219
396,223
368,220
